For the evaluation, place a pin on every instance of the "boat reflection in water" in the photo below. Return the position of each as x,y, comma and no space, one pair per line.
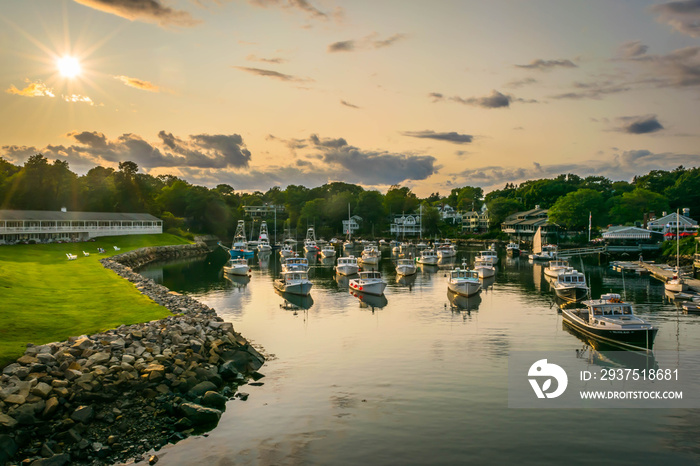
343,281
327,261
462,303
370,300
294,302
238,281
487,283
406,280
605,355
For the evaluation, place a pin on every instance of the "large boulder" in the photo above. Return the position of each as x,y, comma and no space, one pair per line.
199,414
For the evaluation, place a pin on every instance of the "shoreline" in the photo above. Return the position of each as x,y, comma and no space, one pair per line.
114,395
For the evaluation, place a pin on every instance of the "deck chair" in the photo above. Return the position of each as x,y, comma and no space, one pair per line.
86,253
116,248
71,257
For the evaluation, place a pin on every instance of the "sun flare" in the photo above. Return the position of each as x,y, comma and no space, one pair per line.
68,67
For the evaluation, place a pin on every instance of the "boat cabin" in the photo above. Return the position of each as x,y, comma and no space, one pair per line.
372,274
464,274
295,276
296,262
351,260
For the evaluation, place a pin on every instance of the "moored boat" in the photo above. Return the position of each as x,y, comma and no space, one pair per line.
294,282
446,249
513,249
486,257
540,252
310,241
370,255
286,251
463,281
484,270
238,266
295,263
239,248
611,321
555,267
570,286
369,282
328,251
347,265
263,239
406,267
428,257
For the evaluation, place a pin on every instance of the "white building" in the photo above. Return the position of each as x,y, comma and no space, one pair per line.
44,226
669,224
351,226
406,225
476,222
262,210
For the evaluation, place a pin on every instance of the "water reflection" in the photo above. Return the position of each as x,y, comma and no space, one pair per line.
463,303
406,280
295,302
238,281
369,300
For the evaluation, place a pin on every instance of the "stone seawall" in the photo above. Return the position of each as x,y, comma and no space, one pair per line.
111,396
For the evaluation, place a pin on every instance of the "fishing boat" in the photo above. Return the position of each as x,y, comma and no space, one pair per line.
238,266
611,321
328,251
370,255
485,270
540,252
428,257
570,286
369,282
294,282
310,241
347,265
239,248
295,263
446,249
286,251
513,249
487,257
463,281
405,267
555,267
263,238
676,284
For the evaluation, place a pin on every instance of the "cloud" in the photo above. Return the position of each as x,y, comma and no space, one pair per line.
273,74
17,153
632,49
436,96
679,68
348,104
520,83
592,90
274,60
493,100
149,11
299,5
547,65
138,83
452,137
78,98
367,43
639,124
684,16
33,89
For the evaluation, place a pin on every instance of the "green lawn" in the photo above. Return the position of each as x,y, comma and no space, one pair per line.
44,297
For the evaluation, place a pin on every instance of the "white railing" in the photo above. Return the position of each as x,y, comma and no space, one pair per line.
74,229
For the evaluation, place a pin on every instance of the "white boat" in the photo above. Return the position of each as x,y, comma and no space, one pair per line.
555,267
485,270
421,245
463,281
487,257
263,238
347,265
238,266
570,285
446,249
611,321
328,251
286,251
405,247
310,241
541,252
295,263
369,282
405,267
239,248
676,284
428,257
294,282
370,255
513,249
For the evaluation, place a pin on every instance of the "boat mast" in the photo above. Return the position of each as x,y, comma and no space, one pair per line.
678,244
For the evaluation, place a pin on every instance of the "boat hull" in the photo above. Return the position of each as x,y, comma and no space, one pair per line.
464,288
485,272
373,260
571,294
513,252
236,253
631,339
237,270
301,289
374,288
406,269
428,260
675,286
347,269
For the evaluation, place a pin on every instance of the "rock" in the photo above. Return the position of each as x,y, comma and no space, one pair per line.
27,360
153,459
83,414
201,388
83,343
183,424
7,421
228,370
55,460
50,407
242,395
213,399
200,414
8,448
42,390
100,358
15,399
128,359
46,358
12,369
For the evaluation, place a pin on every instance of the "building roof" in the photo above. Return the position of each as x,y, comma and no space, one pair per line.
57,215
528,214
621,232
671,218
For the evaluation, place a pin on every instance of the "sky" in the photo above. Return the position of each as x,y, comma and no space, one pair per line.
430,95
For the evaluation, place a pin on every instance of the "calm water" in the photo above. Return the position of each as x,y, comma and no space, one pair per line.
410,380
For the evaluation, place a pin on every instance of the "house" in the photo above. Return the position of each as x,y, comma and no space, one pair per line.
351,226
43,226
476,222
629,239
449,215
409,225
669,224
262,210
522,226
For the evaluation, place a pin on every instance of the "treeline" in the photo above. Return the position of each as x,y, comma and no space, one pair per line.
44,185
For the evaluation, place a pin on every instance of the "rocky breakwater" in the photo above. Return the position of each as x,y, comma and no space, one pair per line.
111,396
140,257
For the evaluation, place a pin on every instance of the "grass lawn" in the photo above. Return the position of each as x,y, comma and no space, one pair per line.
44,297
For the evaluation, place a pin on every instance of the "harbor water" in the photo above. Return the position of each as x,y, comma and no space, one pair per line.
417,376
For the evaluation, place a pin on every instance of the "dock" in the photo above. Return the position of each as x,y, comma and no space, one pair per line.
664,272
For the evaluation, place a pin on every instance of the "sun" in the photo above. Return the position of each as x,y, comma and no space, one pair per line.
68,67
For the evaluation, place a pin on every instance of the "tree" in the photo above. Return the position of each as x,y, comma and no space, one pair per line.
631,206
466,198
431,219
500,208
686,192
572,211
399,200
370,207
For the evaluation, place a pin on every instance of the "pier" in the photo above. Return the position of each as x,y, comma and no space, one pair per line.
664,274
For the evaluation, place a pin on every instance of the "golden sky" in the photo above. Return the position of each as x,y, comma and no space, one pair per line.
431,95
